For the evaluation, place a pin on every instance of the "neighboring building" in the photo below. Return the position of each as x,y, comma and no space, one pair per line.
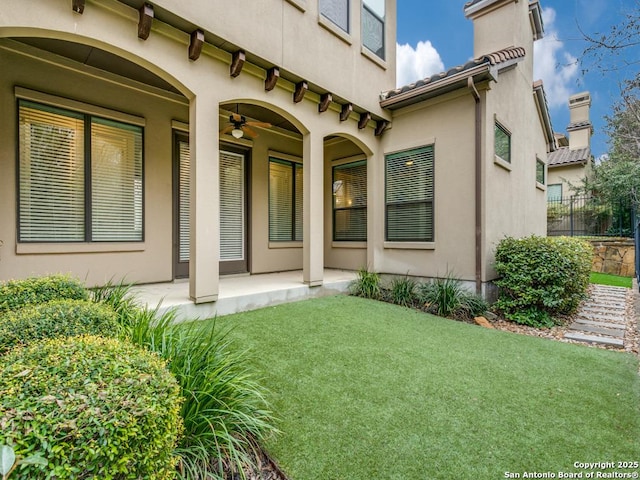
129,148
571,163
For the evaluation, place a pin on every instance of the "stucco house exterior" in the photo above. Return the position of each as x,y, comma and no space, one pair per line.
572,162
173,139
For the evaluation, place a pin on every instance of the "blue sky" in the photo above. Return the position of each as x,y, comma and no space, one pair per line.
434,35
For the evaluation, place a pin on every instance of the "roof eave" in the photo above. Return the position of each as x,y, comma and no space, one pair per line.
545,116
440,87
535,14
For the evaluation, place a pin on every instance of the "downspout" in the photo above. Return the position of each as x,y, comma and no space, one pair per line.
478,184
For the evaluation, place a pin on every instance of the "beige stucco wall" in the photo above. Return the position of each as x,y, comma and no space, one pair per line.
515,205
447,123
275,30
571,175
97,263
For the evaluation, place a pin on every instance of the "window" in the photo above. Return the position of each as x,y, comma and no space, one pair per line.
285,200
350,202
502,143
337,11
540,177
409,195
554,192
80,177
373,26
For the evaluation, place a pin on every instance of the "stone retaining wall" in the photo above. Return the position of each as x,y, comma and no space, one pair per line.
615,256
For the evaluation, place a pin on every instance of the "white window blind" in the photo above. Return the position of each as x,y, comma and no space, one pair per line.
116,181
337,11
184,198
350,202
231,206
409,195
51,164
285,200
74,188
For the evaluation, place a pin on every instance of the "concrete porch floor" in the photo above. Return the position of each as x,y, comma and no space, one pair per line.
241,293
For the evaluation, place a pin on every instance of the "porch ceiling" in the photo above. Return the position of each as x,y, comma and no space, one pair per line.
97,58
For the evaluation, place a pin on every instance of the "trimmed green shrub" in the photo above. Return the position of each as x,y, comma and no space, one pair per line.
92,407
16,294
58,318
402,291
226,416
366,285
447,297
542,277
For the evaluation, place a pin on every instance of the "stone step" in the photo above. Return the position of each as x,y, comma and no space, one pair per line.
603,318
611,332
617,326
581,337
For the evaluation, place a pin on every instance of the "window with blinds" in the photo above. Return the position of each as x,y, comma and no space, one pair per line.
350,202
409,193
285,200
231,206
337,11
80,177
373,26
184,200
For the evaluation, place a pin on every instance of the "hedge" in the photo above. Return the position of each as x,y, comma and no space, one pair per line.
58,318
16,294
92,407
542,277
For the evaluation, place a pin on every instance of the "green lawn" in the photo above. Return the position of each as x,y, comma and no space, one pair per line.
613,280
368,390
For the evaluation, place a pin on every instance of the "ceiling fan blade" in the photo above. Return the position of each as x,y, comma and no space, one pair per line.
259,124
236,118
250,132
227,129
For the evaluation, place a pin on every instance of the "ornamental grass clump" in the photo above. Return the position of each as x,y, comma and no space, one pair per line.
402,291
92,408
58,318
542,278
16,294
226,416
447,297
366,285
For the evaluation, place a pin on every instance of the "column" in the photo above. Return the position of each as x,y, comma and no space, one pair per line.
375,210
313,224
205,199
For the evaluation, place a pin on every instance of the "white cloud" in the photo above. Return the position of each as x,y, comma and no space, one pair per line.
557,68
416,64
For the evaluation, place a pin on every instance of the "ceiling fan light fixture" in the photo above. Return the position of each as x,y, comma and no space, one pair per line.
237,133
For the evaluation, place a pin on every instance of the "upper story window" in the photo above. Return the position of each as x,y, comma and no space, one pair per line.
79,175
540,176
502,143
337,11
373,26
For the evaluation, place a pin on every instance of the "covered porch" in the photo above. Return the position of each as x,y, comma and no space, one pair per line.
242,292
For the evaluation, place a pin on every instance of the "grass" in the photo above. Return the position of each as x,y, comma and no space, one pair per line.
612,280
369,390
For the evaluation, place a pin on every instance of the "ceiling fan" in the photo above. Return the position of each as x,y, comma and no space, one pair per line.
240,126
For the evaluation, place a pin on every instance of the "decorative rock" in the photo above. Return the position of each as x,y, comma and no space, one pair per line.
483,322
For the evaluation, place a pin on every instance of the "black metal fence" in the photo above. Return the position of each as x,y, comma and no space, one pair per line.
583,215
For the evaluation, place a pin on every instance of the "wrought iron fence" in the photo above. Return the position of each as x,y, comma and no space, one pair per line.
584,215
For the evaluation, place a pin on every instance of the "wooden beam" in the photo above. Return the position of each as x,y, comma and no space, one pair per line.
273,74
78,6
195,45
347,108
301,89
381,126
146,18
325,101
237,62
364,120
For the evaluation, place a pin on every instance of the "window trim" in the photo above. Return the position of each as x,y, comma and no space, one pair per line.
89,113
539,184
420,244
295,162
345,164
